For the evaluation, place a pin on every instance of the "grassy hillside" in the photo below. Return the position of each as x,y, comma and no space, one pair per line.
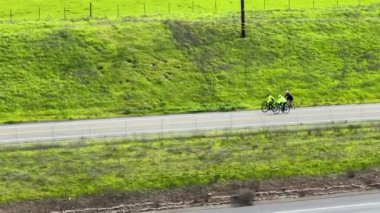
43,9
31,172
55,70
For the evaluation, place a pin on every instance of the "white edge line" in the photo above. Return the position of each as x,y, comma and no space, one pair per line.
331,207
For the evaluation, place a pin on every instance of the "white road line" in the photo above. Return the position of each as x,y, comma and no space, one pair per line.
330,208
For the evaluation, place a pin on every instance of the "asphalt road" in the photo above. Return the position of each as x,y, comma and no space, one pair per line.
47,131
353,203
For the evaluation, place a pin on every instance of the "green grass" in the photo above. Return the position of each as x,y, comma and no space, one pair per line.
98,68
36,9
30,172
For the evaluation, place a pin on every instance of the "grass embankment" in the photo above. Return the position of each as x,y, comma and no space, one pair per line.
69,9
30,172
62,70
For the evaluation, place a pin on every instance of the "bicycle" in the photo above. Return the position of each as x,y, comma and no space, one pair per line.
265,106
280,108
291,104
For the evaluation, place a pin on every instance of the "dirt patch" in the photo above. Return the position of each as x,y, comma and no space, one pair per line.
222,193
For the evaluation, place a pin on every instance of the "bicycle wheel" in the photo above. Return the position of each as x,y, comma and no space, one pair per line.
286,109
276,109
291,105
264,107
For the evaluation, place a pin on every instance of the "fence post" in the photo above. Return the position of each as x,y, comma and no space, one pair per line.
64,13
231,119
196,126
361,112
265,121
162,128
52,132
39,13
90,9
16,134
313,4
337,3
89,132
215,8
298,120
10,14
192,6
288,4
330,117
144,9
169,7
118,11
126,128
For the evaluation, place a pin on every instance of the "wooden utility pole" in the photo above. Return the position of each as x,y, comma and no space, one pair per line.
90,9
64,13
243,35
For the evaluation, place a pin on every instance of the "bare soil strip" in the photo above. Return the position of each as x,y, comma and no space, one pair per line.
238,192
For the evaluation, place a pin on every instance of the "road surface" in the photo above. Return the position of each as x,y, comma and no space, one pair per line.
48,131
353,203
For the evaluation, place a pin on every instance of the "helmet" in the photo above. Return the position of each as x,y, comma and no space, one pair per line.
287,92
279,96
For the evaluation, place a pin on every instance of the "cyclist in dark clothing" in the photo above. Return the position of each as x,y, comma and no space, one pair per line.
289,98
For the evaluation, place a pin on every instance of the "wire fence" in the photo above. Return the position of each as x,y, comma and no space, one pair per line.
189,125
14,10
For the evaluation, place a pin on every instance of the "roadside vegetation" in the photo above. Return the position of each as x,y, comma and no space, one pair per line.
97,68
85,168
